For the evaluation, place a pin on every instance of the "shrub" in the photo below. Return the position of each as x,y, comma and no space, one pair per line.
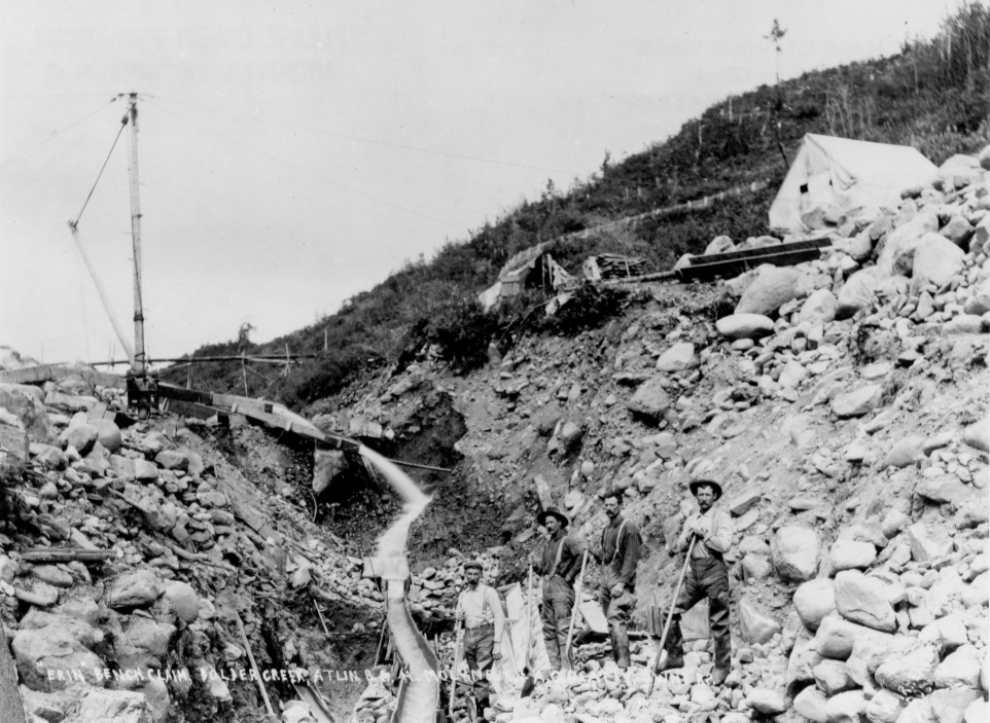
462,331
589,308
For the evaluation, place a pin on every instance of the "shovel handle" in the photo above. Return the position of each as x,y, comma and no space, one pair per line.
670,617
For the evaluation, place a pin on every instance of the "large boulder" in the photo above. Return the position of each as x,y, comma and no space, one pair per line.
184,600
858,402
897,256
861,599
49,657
846,707
135,589
836,637
100,705
851,555
80,435
911,674
819,307
755,627
143,644
719,245
810,704
679,357
27,404
936,261
744,326
960,668
651,399
794,551
884,707
772,288
858,293
108,434
813,600
832,676
950,705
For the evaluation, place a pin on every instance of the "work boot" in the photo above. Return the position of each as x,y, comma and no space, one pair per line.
621,639
674,646
723,661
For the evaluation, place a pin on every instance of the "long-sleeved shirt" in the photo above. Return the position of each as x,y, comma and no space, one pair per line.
571,552
621,555
718,537
481,606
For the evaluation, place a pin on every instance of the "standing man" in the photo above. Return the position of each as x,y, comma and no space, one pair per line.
707,575
559,565
481,610
618,556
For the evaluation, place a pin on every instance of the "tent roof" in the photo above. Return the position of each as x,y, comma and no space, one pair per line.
867,160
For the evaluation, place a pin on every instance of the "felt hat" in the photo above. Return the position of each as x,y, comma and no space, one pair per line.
706,483
473,564
541,519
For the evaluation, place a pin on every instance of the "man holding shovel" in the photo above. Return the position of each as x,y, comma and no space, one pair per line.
706,575
618,556
559,564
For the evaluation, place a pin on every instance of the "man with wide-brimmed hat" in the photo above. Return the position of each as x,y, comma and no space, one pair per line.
707,575
618,556
559,564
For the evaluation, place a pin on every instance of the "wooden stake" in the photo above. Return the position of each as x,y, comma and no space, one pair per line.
577,602
244,375
254,665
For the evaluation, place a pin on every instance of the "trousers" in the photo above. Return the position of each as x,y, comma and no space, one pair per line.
478,645
618,610
558,605
705,577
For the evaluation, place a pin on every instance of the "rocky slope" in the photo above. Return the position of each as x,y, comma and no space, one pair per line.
843,405
186,535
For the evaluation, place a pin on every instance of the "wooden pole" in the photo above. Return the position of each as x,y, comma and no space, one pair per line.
670,616
457,664
254,665
139,358
577,601
244,375
529,616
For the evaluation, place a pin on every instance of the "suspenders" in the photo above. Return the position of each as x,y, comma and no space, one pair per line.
556,562
618,538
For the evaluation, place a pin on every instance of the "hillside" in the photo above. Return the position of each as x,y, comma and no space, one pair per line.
935,96
842,403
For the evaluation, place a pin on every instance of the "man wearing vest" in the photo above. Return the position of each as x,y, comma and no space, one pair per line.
559,565
618,556
481,610
707,575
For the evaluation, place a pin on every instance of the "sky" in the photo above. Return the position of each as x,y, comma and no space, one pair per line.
294,154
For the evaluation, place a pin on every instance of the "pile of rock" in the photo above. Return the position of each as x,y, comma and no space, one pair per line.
130,639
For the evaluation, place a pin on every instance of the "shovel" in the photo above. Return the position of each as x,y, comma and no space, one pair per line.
670,617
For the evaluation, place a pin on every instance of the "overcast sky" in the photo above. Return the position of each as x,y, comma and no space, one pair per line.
293,154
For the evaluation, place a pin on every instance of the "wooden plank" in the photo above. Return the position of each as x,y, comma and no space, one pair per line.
55,372
813,243
188,409
728,269
170,391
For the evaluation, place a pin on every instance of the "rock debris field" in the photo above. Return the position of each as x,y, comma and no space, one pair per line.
841,402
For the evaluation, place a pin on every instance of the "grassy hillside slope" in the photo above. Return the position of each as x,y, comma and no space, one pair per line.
934,95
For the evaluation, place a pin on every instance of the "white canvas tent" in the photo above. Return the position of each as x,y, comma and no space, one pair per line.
845,174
